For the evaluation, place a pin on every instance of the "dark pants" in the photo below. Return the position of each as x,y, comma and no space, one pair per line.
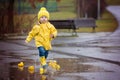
43,52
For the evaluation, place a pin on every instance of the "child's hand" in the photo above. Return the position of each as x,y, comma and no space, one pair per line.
51,36
26,41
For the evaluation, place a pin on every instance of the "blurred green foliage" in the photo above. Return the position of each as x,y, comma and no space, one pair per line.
66,10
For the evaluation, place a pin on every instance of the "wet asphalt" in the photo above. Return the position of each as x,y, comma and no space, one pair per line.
87,56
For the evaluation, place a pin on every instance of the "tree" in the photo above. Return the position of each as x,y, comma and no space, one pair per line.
6,16
10,16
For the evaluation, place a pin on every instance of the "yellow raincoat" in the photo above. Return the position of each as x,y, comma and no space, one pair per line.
41,33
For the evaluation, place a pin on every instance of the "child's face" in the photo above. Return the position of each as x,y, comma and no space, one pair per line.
43,19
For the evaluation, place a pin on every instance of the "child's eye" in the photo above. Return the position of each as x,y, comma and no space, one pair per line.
44,17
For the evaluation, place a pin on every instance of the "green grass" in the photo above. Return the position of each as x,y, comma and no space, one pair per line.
66,5
106,25
107,15
62,15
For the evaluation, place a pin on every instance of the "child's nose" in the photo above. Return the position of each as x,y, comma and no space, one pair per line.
43,18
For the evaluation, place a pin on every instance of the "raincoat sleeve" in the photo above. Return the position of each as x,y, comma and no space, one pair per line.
32,33
53,30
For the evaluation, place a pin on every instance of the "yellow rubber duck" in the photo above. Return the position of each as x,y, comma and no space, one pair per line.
57,67
50,63
41,71
54,65
31,68
21,64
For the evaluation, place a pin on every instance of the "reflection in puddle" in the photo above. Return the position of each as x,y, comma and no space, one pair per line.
24,74
12,72
70,65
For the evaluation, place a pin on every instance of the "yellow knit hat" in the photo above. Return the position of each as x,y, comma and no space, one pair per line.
43,12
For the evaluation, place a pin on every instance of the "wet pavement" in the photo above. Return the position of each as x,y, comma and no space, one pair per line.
88,56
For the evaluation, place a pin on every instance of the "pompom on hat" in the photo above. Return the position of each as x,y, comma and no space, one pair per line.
43,12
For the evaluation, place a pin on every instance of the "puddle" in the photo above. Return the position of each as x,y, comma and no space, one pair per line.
17,74
13,72
68,65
